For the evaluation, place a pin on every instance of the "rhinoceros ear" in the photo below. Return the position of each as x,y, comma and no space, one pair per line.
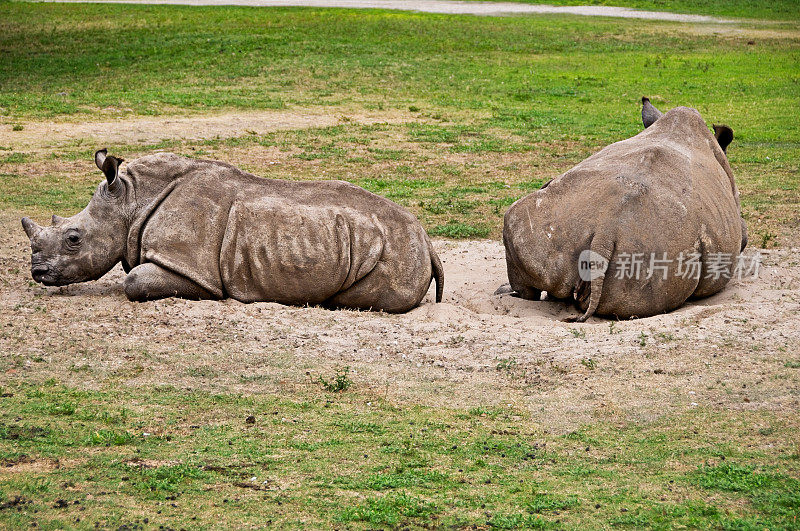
100,157
649,113
109,165
724,135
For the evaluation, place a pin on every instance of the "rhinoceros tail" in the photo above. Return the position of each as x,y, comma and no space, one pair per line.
438,273
601,247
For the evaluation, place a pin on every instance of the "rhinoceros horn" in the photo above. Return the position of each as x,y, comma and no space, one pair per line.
31,228
56,220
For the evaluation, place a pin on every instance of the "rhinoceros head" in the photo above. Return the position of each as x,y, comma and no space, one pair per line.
88,244
650,114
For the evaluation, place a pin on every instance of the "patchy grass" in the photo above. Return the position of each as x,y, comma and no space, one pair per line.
455,195
55,193
501,105
145,455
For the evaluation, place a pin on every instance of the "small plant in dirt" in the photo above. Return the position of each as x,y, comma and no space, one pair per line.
643,339
580,334
767,238
665,336
589,363
506,364
456,340
341,381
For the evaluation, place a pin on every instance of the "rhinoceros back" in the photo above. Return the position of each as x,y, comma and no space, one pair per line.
662,196
253,239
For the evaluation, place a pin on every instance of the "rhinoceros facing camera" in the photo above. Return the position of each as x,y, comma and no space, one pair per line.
635,229
201,229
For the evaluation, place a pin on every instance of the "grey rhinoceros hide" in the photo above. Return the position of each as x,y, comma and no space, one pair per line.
204,229
664,199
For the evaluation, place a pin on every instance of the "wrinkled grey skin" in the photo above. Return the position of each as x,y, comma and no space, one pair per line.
668,189
201,229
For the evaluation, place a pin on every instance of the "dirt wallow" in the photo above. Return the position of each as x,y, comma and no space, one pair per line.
736,349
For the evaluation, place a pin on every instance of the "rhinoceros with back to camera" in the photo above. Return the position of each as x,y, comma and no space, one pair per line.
637,228
202,229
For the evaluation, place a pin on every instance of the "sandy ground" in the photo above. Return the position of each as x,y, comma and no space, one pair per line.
735,350
38,136
443,6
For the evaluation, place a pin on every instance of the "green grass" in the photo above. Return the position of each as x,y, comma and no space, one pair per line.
163,456
54,194
509,101
523,71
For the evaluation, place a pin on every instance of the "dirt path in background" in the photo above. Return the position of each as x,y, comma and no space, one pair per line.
36,136
695,24
736,350
445,7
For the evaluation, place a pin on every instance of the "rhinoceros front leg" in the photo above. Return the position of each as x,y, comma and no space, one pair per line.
149,282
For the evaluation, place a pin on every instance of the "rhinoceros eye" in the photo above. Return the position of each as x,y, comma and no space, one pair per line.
73,239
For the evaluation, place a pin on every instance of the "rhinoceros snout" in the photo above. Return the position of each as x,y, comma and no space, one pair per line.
39,271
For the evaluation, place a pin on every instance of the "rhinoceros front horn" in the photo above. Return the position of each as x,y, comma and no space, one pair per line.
31,228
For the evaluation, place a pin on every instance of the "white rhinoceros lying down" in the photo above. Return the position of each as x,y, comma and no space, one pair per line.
201,229
635,229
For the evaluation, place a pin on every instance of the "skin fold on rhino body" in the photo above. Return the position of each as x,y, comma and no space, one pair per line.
202,229
649,208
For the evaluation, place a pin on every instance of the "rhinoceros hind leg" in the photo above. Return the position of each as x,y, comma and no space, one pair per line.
379,290
149,282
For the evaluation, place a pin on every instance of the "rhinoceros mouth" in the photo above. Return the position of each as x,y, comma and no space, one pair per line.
44,275
48,280
40,273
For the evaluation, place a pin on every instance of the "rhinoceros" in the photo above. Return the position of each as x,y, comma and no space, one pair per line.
637,228
202,229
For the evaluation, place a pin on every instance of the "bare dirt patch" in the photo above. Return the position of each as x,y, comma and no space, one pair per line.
43,136
736,350
25,464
